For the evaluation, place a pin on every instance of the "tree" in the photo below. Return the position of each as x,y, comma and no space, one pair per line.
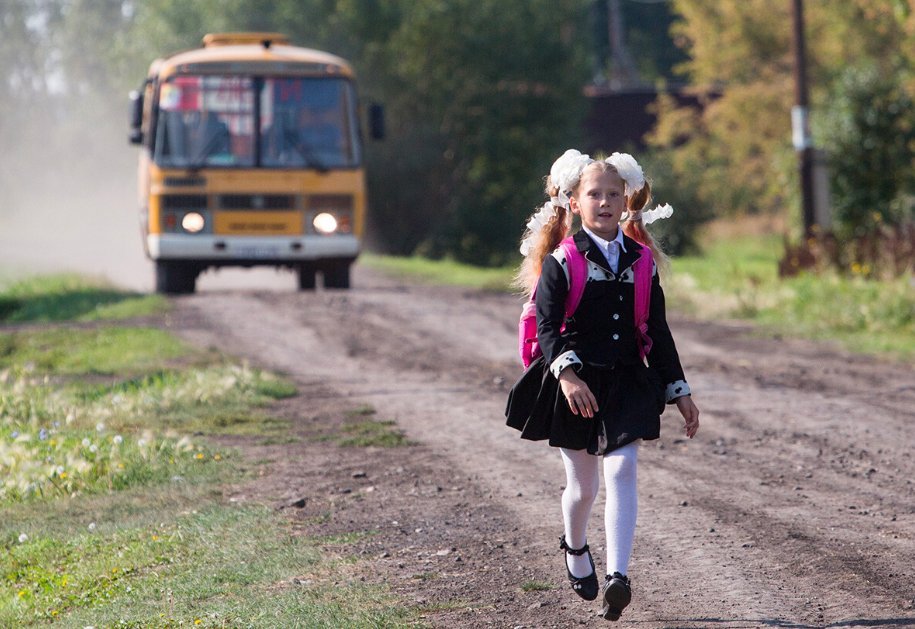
741,50
870,124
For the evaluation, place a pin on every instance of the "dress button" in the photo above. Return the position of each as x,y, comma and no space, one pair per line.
616,316
616,337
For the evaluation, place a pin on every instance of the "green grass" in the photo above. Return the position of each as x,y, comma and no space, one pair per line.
535,586
383,434
73,298
213,566
447,272
73,435
106,350
738,279
112,507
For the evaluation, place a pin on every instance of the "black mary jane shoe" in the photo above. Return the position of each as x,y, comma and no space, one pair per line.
586,587
617,594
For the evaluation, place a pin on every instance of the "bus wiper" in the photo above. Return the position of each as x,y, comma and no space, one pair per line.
200,160
303,150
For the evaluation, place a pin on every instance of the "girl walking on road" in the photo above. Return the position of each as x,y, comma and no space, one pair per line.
602,380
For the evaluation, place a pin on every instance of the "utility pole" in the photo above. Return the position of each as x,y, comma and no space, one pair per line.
800,121
622,67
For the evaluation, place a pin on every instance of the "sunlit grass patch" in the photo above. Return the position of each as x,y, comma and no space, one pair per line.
218,399
58,462
865,315
104,350
446,272
214,566
67,439
73,297
384,434
361,411
535,586
342,539
737,278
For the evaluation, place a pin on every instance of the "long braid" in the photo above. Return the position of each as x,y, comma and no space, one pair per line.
544,241
637,229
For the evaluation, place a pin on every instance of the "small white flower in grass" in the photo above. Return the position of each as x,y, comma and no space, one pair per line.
86,442
70,417
23,538
59,470
118,439
100,427
92,527
93,448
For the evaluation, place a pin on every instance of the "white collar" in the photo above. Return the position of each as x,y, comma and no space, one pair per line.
605,244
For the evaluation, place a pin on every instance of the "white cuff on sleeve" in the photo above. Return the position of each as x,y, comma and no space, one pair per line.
562,361
677,389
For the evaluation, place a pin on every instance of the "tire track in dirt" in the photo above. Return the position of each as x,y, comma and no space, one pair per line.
791,432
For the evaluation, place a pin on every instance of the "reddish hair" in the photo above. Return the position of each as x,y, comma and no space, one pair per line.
549,237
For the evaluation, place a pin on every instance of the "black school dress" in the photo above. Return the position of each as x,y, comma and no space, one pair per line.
600,342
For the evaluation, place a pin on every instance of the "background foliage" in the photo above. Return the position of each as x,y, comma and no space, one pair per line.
481,95
736,153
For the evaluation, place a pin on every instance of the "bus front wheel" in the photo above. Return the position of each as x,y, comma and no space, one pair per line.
175,278
336,274
306,274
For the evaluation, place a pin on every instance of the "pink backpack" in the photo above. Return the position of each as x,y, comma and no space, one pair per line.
578,277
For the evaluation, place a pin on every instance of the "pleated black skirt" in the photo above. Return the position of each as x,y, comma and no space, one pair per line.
630,401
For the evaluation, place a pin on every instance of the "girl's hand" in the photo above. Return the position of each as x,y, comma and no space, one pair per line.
690,413
577,393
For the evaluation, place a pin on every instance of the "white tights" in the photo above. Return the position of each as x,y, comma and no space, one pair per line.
582,485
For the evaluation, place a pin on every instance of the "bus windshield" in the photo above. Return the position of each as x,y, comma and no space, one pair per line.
209,121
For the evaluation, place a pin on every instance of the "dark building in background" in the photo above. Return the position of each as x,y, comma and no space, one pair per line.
618,119
633,52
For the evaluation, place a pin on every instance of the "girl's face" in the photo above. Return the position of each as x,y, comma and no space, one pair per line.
599,201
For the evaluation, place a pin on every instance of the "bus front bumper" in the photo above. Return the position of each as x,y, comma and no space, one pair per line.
251,249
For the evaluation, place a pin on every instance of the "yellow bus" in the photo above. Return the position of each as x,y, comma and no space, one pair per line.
251,155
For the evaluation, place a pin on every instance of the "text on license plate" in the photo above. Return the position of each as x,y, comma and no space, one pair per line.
257,253
258,223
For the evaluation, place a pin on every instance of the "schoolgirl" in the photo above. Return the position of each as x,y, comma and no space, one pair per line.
590,394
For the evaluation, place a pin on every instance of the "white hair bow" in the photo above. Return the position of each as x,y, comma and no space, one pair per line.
629,170
566,171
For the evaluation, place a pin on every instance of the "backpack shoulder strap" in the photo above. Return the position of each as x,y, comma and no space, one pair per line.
577,265
643,271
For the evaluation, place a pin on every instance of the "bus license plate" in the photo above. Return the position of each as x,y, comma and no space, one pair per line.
257,253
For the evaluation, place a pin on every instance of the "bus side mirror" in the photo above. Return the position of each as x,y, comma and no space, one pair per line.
376,121
136,117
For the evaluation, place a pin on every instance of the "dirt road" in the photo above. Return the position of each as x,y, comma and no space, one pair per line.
793,507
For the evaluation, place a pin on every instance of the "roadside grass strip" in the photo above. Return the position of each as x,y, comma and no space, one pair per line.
215,566
109,350
738,278
73,297
112,483
62,436
446,272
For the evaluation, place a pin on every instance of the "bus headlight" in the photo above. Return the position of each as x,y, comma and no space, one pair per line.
193,222
325,223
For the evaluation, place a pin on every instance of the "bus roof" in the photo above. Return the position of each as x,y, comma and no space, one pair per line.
260,53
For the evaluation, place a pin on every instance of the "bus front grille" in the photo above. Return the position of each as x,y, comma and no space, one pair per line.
256,201
184,201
